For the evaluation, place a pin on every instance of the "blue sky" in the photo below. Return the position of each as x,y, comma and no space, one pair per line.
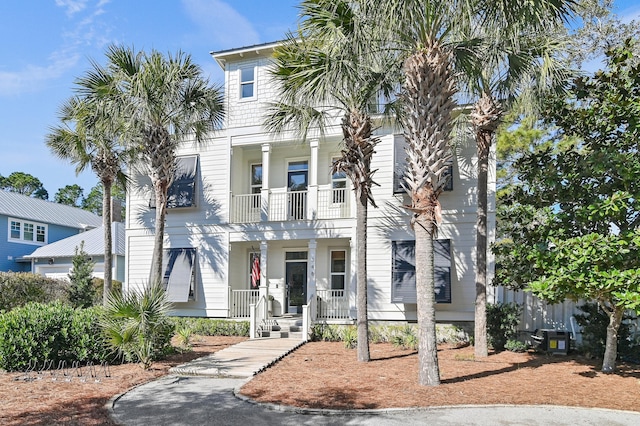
48,43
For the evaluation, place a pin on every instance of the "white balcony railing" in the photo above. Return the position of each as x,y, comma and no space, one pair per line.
292,205
246,208
333,304
333,203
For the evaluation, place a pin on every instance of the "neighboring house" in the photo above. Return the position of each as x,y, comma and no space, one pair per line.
253,215
55,260
28,223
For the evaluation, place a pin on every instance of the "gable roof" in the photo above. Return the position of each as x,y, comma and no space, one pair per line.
93,244
23,207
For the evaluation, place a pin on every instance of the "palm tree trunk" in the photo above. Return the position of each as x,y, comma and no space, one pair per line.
485,116
428,371
480,328
361,279
155,275
108,240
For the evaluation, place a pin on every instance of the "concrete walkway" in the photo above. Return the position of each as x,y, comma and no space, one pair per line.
203,392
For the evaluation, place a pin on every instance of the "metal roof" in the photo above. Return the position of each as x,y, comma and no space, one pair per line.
93,244
23,207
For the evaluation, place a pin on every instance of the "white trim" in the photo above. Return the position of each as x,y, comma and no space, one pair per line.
34,230
253,82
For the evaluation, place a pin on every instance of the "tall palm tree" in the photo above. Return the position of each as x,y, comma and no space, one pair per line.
519,63
165,101
89,137
429,38
322,76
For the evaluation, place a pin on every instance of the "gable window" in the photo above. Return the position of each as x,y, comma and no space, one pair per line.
403,275
338,269
338,186
247,82
179,265
27,232
400,160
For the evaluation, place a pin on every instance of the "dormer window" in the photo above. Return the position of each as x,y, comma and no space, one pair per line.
247,82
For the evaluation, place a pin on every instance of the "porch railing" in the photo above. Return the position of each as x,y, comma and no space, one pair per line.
240,300
333,304
258,314
309,315
246,208
333,203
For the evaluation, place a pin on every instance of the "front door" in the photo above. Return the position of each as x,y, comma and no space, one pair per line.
296,276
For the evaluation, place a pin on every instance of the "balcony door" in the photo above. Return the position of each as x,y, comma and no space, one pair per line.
297,183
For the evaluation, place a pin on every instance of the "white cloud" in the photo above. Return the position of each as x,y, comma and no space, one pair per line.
220,25
86,32
72,6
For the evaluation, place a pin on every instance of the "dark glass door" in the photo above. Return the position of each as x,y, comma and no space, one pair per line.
296,275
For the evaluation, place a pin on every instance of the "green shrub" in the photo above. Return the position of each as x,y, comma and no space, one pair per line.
20,288
594,322
137,324
350,337
212,327
55,332
502,323
325,332
405,338
514,345
98,289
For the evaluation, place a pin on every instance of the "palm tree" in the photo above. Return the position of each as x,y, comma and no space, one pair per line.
322,77
89,137
429,39
519,62
164,100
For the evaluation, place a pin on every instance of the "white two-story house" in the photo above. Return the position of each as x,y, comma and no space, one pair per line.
260,216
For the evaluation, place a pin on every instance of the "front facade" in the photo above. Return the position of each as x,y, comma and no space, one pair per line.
253,215
28,223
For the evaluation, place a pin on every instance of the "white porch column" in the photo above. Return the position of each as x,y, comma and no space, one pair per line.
264,193
311,270
264,285
312,202
351,284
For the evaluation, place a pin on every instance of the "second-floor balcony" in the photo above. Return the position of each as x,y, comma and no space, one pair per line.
279,204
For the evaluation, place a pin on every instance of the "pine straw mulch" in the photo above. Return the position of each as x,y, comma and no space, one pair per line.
325,375
77,402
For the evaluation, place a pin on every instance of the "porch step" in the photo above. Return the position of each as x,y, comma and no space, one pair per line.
283,327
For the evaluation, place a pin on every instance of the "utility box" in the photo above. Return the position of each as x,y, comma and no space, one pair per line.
554,342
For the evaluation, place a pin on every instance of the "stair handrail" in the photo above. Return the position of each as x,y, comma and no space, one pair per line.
257,315
309,314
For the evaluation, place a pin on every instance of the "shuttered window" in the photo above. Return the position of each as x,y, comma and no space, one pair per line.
179,265
403,276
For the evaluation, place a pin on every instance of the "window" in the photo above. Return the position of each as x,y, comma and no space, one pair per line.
182,192
297,176
15,230
27,232
179,265
254,270
338,269
400,159
256,178
338,186
403,275
247,82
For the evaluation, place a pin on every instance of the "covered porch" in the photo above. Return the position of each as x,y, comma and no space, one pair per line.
280,278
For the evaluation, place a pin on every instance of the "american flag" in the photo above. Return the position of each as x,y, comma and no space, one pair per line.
255,272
